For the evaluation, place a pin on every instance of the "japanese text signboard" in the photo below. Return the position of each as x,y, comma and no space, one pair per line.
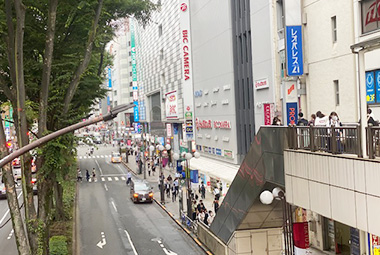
294,54
171,105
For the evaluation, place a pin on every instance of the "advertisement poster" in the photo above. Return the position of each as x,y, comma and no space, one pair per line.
291,113
171,105
294,50
301,237
374,244
370,87
268,114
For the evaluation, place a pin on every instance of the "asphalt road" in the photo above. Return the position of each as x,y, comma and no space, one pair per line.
110,223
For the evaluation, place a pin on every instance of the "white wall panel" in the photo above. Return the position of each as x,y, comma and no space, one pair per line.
372,178
301,192
289,189
316,166
341,172
320,199
343,206
361,211
373,204
359,175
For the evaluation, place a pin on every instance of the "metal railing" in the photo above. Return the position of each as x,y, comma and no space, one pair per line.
335,140
189,223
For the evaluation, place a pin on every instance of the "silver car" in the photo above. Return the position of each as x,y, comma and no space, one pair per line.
141,191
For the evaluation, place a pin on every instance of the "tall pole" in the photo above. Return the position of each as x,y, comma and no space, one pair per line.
161,181
188,184
144,159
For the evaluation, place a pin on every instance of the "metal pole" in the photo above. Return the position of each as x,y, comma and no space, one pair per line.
188,185
144,158
161,181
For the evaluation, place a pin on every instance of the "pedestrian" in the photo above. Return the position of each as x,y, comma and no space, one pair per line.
335,122
312,120
276,121
216,206
87,175
371,118
199,206
201,215
153,168
129,177
194,208
167,188
301,120
321,120
174,193
205,220
216,193
210,217
203,191
93,175
79,175
176,185
149,169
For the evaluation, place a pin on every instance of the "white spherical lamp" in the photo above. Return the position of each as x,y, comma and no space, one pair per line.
160,148
266,197
188,156
278,193
176,156
151,148
197,154
168,147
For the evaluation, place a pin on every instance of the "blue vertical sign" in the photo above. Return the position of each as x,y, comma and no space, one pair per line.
370,87
377,79
136,117
109,78
294,55
292,113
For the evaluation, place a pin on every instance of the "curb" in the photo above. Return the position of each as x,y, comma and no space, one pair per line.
75,242
195,239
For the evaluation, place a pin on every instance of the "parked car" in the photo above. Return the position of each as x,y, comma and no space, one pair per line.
16,172
97,140
116,157
141,191
3,191
34,182
16,162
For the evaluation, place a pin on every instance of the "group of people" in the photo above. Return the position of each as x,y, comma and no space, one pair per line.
88,175
317,119
200,213
170,184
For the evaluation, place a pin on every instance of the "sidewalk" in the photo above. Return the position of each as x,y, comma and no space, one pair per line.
172,207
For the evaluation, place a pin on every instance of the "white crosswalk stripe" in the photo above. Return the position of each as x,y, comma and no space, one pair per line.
123,178
84,156
109,179
103,179
116,178
93,156
102,156
97,156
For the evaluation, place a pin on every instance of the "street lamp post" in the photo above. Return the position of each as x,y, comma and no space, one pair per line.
266,197
188,156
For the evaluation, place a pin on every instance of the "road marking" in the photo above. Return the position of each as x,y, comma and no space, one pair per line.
123,178
80,157
167,252
6,213
109,179
97,156
93,156
116,178
130,241
102,156
102,242
111,175
103,179
100,169
114,206
84,156
10,234
105,186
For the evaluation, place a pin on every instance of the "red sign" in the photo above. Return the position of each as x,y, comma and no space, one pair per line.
301,235
268,114
183,7
208,183
225,124
373,13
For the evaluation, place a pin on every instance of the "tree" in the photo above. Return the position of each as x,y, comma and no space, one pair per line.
55,48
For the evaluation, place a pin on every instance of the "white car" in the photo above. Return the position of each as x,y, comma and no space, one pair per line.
116,157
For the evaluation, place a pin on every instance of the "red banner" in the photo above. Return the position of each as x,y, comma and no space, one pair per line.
301,235
268,113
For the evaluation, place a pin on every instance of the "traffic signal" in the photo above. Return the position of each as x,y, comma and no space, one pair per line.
9,144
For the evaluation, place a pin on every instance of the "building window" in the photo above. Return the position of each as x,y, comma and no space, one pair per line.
129,53
162,54
131,94
334,30
115,92
336,89
115,104
130,84
372,81
280,19
156,107
160,30
129,43
370,15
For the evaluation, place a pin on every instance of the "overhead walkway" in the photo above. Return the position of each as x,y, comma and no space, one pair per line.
262,169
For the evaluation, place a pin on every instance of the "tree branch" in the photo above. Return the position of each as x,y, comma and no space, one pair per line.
86,60
46,72
6,90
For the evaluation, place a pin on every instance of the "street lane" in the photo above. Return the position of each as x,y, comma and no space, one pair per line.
105,207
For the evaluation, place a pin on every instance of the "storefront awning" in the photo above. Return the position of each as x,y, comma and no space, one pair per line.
215,168
366,45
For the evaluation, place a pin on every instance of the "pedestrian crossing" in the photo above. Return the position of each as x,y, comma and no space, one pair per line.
109,179
94,156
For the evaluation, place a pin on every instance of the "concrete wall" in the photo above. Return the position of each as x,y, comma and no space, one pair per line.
256,242
214,74
211,241
329,61
341,188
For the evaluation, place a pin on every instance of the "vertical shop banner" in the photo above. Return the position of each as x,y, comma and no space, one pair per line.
268,114
187,68
171,105
136,116
370,87
301,237
373,244
169,132
109,78
355,241
291,113
377,80
294,55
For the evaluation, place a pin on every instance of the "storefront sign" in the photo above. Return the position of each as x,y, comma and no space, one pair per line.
377,80
218,152
291,91
374,244
169,130
171,105
294,50
203,123
228,154
370,15
186,59
188,115
370,87
109,78
291,113
261,84
301,237
208,124
136,116
268,113
198,93
355,241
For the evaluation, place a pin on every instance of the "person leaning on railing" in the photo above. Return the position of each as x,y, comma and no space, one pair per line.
335,122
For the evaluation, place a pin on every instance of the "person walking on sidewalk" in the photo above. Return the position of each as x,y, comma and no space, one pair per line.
216,206
167,188
210,217
87,175
79,175
203,191
175,185
217,193
153,168
93,179
174,193
129,177
149,169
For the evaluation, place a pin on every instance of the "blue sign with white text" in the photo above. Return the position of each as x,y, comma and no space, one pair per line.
292,113
377,76
294,56
370,87
109,78
136,112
